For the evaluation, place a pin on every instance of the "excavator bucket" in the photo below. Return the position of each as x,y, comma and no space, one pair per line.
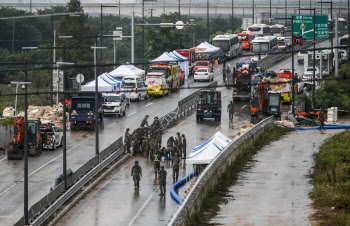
15,152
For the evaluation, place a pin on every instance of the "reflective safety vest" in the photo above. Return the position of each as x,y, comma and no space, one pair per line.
156,158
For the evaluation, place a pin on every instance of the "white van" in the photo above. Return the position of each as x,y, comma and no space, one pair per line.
114,104
156,84
135,86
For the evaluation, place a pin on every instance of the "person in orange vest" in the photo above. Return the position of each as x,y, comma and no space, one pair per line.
216,62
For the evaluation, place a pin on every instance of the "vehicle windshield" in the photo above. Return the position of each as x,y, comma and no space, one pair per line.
82,106
160,70
129,85
202,64
275,30
202,70
344,42
224,44
46,128
311,69
209,98
260,48
31,132
274,100
281,43
308,76
112,98
244,38
254,28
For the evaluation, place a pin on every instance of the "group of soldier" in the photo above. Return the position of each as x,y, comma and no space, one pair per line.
148,139
226,71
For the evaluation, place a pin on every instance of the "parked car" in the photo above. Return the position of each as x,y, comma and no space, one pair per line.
114,104
135,86
50,135
203,74
301,56
202,64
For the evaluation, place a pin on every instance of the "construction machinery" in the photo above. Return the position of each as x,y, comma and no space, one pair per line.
209,105
242,75
16,147
264,102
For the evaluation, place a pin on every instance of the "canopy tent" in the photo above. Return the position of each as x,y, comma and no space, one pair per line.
109,78
104,85
127,70
174,57
205,47
165,57
207,151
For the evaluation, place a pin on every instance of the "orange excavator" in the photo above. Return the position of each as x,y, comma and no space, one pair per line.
16,149
264,103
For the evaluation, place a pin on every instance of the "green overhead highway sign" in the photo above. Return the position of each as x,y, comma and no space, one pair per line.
303,25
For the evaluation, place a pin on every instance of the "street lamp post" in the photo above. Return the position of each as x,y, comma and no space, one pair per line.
208,20
232,17
97,150
179,33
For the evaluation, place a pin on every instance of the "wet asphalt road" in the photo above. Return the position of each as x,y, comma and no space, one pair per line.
273,190
80,148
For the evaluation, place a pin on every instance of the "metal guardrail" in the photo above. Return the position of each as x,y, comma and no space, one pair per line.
47,206
180,214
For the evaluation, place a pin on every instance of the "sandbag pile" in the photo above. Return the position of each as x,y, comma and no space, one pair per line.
8,112
243,129
53,114
286,123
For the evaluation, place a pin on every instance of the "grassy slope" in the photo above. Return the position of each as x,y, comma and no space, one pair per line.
331,179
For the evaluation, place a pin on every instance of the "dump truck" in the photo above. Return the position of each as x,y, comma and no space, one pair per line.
242,75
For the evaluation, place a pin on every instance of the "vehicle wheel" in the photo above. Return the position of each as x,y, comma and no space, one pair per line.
101,117
124,112
61,143
198,118
215,118
169,91
146,97
201,118
139,97
219,118
54,146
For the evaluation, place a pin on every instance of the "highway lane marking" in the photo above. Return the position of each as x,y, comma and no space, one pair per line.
104,185
111,124
131,113
227,94
7,190
149,104
218,127
3,159
244,106
35,171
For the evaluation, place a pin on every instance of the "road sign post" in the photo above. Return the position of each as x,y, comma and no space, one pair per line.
303,25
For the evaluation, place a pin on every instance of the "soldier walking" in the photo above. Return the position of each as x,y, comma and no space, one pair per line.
159,136
127,141
136,173
224,74
162,180
230,109
179,144
153,146
184,145
170,146
176,163
144,122
156,158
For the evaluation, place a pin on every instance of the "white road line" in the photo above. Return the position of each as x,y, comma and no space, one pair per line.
7,190
111,124
149,104
3,159
244,106
42,167
132,113
145,204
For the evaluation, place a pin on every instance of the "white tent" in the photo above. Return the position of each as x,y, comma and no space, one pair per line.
183,64
205,47
207,151
165,57
127,70
110,79
104,85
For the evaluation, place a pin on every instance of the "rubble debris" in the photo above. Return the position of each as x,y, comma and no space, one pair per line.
243,129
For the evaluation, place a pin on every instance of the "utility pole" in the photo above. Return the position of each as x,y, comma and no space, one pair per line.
132,38
51,71
208,20
271,9
143,33
232,17
253,12
337,44
285,13
26,218
179,34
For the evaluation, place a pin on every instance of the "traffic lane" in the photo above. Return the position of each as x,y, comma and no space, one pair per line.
146,207
275,185
79,152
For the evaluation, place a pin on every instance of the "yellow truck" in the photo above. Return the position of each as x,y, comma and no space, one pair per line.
172,73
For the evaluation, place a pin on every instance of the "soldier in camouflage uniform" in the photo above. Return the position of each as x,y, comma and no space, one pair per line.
162,180
135,142
159,136
156,161
136,173
170,146
176,163
179,144
231,109
184,145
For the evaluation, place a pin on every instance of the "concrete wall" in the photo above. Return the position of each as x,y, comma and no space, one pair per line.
5,135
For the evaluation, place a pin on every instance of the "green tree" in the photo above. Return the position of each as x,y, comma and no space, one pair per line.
77,50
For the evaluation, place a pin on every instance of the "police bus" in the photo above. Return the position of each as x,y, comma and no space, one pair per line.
229,43
264,45
277,30
259,29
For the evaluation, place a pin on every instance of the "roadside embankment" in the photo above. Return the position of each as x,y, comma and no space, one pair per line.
331,180
227,175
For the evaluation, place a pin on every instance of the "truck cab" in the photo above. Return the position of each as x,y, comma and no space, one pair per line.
82,113
209,105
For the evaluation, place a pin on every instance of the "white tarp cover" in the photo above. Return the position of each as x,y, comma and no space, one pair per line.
127,70
207,48
103,85
204,153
